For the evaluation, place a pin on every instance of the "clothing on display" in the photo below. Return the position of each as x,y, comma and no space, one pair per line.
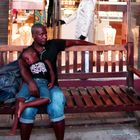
25,35
135,32
109,34
50,13
84,18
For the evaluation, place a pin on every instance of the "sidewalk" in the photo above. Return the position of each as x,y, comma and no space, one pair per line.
107,132
93,126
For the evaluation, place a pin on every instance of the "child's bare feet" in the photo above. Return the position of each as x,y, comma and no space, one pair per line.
12,132
14,126
20,108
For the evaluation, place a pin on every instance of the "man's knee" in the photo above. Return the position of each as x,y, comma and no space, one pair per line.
56,108
57,96
28,115
56,112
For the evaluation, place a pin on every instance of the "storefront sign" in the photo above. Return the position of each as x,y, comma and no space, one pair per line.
28,4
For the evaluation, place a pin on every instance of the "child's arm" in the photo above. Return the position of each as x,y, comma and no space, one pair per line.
27,76
51,84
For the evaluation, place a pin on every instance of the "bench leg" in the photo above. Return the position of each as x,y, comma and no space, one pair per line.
137,116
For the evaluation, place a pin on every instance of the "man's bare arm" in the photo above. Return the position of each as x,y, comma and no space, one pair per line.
72,42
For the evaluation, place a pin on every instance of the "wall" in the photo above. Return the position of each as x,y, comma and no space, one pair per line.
4,8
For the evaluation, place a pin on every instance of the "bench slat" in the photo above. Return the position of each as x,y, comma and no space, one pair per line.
113,96
76,96
86,97
120,60
122,96
113,60
104,96
91,61
96,98
83,61
67,61
98,61
75,63
106,61
69,99
130,95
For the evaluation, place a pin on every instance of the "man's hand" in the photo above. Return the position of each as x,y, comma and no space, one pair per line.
60,22
33,89
82,37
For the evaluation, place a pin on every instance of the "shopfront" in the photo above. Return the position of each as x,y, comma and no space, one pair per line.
115,22
110,19
22,15
4,6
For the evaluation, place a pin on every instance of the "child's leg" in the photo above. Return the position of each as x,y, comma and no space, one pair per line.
15,122
44,96
22,95
36,102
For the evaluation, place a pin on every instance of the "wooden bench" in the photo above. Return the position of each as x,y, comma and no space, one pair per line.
85,92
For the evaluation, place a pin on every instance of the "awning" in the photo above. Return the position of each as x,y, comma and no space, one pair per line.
28,4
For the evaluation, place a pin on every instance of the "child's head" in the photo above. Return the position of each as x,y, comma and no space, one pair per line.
30,56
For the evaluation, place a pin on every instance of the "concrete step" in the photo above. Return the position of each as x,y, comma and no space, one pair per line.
92,126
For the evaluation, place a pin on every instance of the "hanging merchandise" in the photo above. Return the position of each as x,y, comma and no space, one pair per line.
25,34
50,13
109,34
40,16
28,4
84,20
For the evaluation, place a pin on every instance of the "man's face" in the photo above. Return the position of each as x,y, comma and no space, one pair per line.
40,36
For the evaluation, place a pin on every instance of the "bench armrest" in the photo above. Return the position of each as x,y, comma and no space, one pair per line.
134,70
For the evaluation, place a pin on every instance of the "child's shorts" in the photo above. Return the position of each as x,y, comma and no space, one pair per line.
42,85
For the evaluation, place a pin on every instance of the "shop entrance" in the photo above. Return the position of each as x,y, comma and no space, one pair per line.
24,13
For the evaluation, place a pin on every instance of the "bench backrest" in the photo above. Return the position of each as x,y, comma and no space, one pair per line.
105,61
